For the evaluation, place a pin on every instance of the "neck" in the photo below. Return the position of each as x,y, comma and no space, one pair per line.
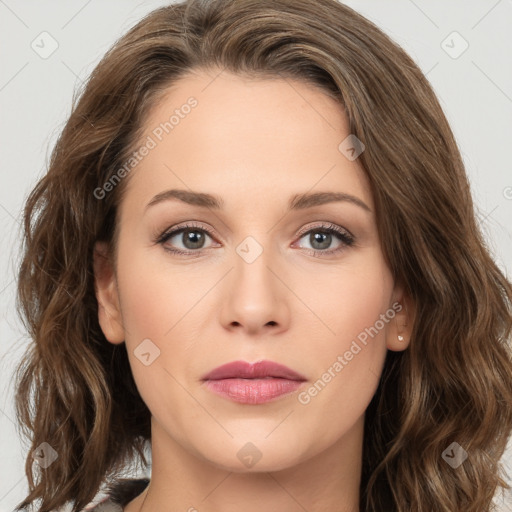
182,480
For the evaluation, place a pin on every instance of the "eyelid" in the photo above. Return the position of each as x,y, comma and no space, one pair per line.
174,230
326,226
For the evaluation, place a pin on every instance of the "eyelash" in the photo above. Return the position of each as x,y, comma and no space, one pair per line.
343,235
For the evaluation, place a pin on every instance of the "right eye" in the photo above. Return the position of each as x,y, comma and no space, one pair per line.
191,238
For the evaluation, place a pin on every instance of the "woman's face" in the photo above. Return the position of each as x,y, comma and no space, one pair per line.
258,279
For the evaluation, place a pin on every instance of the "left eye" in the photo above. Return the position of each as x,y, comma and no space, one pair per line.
320,239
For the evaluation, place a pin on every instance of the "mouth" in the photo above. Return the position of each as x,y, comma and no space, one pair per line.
257,370
256,383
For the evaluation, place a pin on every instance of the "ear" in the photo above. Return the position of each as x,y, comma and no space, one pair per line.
105,286
398,334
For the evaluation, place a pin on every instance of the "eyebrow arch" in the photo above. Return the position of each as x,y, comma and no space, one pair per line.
308,200
296,202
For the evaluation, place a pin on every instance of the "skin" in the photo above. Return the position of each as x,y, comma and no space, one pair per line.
254,143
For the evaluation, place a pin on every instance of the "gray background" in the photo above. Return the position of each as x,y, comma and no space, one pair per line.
474,88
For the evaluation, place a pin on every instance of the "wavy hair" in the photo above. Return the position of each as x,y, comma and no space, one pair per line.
75,391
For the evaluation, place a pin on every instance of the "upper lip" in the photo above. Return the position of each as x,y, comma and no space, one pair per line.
259,369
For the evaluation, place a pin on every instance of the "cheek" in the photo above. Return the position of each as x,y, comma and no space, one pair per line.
153,299
345,299
346,337
157,306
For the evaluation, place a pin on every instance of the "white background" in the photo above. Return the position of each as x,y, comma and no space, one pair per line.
475,91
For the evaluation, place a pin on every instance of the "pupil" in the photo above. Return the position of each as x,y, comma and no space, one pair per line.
193,239
323,238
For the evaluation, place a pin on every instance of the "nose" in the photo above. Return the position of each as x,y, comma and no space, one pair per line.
255,297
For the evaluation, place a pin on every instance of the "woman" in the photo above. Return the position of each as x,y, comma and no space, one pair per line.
255,247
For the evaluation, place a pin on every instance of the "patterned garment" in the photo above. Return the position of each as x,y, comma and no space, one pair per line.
118,495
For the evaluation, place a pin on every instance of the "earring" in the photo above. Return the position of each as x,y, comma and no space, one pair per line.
400,338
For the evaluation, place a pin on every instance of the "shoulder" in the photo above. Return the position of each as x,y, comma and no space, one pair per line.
118,494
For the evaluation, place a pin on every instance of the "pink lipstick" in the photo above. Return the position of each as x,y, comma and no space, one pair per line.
255,383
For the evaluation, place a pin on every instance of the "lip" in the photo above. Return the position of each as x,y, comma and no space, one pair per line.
257,370
253,383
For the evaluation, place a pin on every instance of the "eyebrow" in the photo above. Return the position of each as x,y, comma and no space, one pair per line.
296,202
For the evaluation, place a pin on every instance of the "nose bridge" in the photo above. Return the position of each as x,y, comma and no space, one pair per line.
251,274
255,295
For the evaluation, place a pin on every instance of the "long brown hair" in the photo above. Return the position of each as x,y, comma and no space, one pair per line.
75,391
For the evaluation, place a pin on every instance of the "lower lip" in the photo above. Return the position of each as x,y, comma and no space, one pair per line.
253,391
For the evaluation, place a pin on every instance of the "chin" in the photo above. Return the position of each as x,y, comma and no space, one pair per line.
253,454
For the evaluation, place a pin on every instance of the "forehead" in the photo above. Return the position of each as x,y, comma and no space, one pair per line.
245,138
